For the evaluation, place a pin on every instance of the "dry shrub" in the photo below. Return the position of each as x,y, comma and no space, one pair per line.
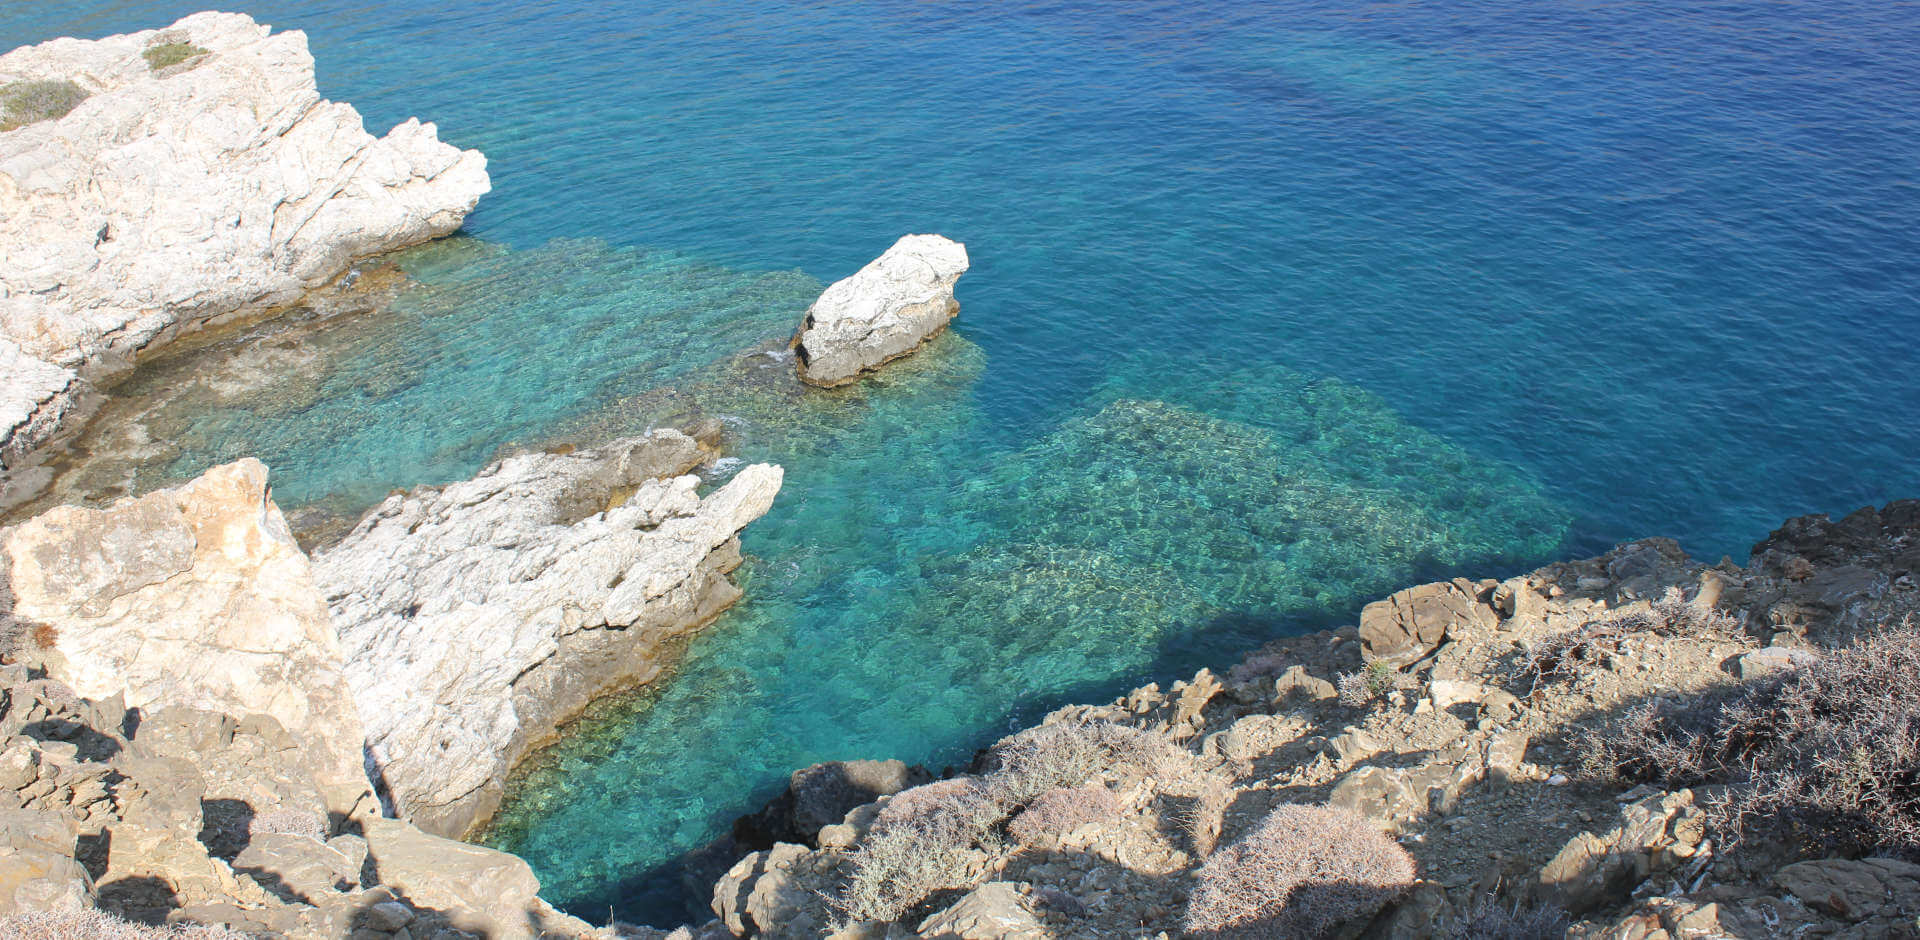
919,844
1563,657
1209,815
958,805
44,636
91,924
23,103
1057,812
1494,921
1305,871
896,868
923,839
1825,757
1068,754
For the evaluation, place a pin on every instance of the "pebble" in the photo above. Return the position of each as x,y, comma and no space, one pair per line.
1557,780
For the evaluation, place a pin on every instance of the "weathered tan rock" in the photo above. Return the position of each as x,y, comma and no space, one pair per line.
1409,624
1652,834
774,894
478,616
993,911
1853,889
822,795
195,596
166,198
213,819
496,893
882,312
37,870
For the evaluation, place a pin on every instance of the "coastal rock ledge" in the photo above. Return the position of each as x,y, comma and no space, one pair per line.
200,176
479,616
884,311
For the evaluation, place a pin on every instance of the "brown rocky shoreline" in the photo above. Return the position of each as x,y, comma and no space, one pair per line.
1456,741
1468,754
203,727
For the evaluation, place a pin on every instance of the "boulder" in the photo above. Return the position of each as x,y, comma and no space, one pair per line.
993,911
882,312
172,197
821,795
195,596
1297,681
297,867
1653,834
779,893
487,892
37,869
1409,624
479,616
1852,889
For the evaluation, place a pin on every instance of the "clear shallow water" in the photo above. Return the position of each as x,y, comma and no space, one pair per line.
1273,309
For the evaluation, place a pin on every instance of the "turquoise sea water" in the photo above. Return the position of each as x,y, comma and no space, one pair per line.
1274,308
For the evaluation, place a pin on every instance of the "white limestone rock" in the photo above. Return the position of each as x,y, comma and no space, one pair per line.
478,616
884,311
196,597
167,198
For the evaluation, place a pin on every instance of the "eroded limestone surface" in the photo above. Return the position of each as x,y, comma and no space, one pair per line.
479,615
168,197
882,312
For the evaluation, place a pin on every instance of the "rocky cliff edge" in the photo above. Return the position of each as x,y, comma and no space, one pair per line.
199,175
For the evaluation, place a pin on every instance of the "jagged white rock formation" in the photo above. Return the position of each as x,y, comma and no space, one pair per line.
478,616
166,198
195,597
884,311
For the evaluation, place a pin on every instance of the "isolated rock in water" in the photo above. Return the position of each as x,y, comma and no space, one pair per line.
478,616
195,596
168,197
884,311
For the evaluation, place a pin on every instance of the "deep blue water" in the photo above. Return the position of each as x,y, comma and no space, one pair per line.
1274,308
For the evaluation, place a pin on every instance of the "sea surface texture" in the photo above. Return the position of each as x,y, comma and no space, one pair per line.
1275,308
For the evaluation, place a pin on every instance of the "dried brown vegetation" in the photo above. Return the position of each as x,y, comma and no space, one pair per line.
1825,757
1305,871
1059,811
90,924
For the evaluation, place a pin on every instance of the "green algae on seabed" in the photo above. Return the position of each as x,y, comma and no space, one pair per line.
918,588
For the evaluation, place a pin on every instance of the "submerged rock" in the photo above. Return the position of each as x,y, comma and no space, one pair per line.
478,616
884,311
172,196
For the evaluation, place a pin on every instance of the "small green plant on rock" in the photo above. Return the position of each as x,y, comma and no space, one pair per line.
23,103
169,54
1358,689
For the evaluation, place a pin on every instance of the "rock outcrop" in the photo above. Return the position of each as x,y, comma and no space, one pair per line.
1456,717
189,816
882,312
478,616
195,596
172,196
